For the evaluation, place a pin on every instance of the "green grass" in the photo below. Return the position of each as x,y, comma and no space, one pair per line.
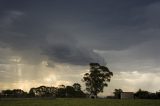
77,102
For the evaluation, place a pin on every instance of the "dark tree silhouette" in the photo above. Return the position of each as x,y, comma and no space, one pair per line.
142,94
32,92
77,86
96,79
70,92
78,93
43,91
158,94
117,93
17,93
61,92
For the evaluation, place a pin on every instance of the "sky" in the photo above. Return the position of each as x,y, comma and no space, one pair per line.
52,42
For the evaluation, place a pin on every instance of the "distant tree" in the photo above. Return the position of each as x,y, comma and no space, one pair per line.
7,93
19,93
43,91
51,91
142,94
14,93
158,94
77,86
117,93
96,79
78,92
32,92
62,86
70,92
152,96
61,91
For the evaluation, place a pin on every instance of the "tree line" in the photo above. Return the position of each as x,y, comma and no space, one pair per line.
62,91
140,94
95,80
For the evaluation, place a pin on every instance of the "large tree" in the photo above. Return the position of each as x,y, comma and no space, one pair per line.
96,79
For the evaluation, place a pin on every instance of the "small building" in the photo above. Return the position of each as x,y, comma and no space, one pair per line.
127,95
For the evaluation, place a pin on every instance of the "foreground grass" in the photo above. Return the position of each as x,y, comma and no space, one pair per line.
77,102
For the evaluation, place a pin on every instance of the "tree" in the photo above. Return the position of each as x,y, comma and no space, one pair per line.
158,94
61,92
117,93
42,91
77,86
70,92
78,93
19,93
142,94
96,79
14,93
7,93
32,92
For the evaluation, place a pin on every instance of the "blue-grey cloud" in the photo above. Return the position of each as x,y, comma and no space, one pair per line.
69,32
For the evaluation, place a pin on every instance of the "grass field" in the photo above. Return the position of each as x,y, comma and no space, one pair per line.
77,102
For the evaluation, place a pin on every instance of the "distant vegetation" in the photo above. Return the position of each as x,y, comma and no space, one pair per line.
43,91
95,80
69,92
140,94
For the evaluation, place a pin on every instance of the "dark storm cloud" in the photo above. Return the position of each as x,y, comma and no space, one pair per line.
73,55
57,46
70,31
